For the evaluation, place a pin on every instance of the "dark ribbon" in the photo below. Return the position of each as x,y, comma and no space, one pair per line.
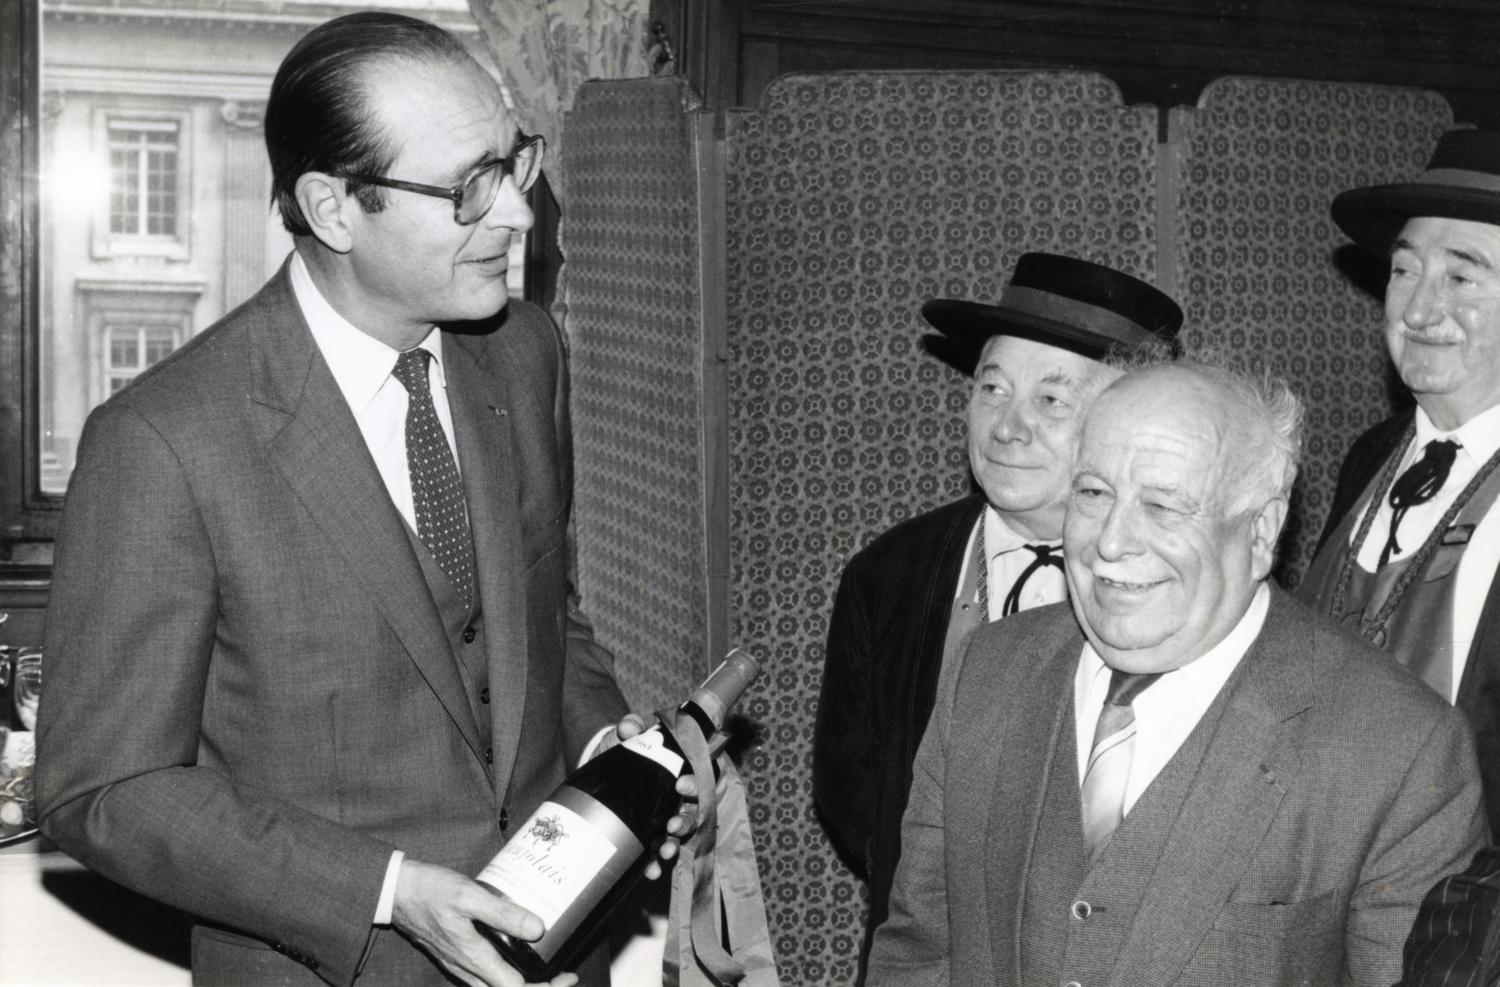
1419,484
1045,555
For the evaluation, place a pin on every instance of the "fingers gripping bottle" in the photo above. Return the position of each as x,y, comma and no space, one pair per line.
585,846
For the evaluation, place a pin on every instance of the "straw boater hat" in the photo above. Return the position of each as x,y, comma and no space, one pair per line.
1063,301
1462,181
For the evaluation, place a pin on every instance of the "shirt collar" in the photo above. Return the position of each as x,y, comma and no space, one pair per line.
360,363
1000,537
1480,435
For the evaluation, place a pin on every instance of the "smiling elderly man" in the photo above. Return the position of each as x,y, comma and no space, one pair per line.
1416,574
908,601
1174,780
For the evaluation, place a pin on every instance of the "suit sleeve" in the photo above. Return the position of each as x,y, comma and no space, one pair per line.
845,752
1433,827
130,635
910,947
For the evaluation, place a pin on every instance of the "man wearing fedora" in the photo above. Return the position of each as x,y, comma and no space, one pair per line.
1409,552
907,603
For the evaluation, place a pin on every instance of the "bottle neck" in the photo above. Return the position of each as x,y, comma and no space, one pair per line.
702,719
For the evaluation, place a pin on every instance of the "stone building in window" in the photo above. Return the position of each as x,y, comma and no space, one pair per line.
155,211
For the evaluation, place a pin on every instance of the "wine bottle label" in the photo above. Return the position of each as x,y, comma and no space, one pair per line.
549,861
652,744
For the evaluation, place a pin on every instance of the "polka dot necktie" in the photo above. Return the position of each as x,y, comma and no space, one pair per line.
437,493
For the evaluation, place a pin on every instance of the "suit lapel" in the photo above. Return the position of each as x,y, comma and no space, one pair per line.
313,441
1231,803
482,427
1039,676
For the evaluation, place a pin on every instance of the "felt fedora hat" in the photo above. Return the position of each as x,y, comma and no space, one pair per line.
1462,181
1063,301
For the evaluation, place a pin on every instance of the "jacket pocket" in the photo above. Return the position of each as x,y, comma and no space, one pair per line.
1289,944
1279,920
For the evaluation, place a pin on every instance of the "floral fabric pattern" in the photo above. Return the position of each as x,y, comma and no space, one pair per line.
546,49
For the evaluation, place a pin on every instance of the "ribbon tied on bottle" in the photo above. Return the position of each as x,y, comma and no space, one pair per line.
716,896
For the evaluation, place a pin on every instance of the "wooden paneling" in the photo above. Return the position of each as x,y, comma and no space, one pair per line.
1157,51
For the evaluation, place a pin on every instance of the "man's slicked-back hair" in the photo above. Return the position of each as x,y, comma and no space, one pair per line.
318,116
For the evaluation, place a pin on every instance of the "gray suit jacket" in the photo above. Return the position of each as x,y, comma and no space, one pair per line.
251,699
1335,789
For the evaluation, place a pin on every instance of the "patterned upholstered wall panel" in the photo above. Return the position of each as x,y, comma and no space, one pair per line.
852,198
1258,270
630,239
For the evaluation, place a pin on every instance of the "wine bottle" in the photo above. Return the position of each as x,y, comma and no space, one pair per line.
578,854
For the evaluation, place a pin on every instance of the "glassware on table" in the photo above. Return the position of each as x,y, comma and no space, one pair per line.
26,684
21,669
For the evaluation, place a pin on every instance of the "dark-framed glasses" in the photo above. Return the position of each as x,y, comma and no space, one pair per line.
473,196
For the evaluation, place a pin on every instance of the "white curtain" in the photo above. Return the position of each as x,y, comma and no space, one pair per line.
545,49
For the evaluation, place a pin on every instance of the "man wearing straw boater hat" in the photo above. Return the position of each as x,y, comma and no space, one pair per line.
1415,573
907,603
1410,549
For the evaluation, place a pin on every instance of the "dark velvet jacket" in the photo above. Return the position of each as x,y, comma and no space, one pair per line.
1479,690
885,649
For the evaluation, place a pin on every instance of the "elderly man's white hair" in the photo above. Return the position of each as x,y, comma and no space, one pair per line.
1266,446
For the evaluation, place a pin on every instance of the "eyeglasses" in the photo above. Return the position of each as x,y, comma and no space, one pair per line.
473,196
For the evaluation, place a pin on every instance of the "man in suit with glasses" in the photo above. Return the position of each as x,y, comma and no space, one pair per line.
313,647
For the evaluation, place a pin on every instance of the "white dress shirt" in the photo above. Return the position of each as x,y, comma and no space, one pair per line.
361,366
1008,557
1168,710
1478,439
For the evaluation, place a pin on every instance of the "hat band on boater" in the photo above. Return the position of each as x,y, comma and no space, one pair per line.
1069,311
1462,178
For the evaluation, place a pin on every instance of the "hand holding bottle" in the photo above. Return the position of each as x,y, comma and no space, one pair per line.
680,826
575,857
436,908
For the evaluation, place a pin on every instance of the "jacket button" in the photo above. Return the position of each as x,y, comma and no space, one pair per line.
489,756
504,819
1082,909
484,695
468,635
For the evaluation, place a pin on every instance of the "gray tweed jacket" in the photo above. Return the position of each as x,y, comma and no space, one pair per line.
1289,842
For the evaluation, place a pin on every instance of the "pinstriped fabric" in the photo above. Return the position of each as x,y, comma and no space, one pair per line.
437,493
1455,941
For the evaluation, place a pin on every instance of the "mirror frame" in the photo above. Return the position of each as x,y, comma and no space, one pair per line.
26,514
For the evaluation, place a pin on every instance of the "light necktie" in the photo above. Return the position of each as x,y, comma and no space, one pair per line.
436,490
1045,555
1108,770
1419,484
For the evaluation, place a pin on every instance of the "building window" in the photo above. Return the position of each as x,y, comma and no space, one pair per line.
139,155
130,349
143,174
137,204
